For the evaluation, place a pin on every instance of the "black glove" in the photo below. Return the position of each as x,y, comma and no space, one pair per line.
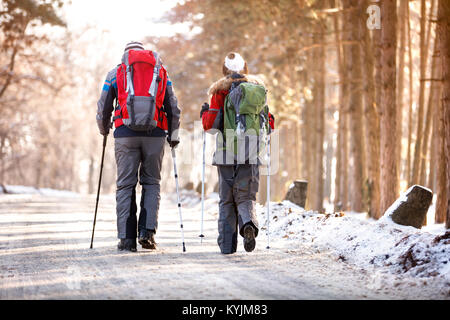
205,107
173,144
105,131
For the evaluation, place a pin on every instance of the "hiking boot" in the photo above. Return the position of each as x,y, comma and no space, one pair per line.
249,238
127,245
147,239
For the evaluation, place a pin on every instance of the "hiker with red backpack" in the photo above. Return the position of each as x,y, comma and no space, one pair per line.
146,112
239,114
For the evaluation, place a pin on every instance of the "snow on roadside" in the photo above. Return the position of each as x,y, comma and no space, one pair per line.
57,193
25,190
382,245
19,190
364,242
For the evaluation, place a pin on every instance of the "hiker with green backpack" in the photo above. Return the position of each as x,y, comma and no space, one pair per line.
239,114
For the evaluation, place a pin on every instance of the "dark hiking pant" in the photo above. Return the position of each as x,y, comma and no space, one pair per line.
238,185
143,156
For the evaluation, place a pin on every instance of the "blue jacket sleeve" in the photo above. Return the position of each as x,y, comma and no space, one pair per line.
105,105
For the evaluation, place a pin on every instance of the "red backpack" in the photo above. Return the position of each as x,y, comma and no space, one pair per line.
141,85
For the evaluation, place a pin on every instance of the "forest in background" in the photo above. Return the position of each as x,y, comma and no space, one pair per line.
359,88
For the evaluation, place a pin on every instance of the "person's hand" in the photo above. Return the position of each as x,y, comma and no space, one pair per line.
104,132
173,144
205,107
104,129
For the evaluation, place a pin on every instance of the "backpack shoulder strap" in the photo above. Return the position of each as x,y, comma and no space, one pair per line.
129,73
235,96
156,78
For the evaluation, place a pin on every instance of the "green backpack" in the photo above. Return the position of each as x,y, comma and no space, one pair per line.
246,113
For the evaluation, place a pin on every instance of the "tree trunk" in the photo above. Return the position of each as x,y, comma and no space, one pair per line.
435,138
344,154
411,99
353,70
10,71
2,158
305,128
420,112
319,100
297,192
311,147
372,123
441,174
91,185
376,35
378,93
37,180
434,89
298,146
388,121
400,84
444,43
340,196
328,168
412,207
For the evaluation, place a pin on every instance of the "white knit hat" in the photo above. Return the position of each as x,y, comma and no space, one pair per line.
234,63
135,45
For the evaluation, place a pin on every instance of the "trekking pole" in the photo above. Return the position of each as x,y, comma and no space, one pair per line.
98,190
178,196
203,187
268,191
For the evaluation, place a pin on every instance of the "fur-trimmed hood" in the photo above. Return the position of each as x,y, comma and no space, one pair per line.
224,83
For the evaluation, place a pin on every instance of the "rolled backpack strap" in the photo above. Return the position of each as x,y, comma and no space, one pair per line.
153,90
130,88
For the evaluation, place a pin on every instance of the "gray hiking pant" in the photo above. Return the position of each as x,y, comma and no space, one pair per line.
238,185
135,155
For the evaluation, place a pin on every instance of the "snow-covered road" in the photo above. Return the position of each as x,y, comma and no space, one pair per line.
44,254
